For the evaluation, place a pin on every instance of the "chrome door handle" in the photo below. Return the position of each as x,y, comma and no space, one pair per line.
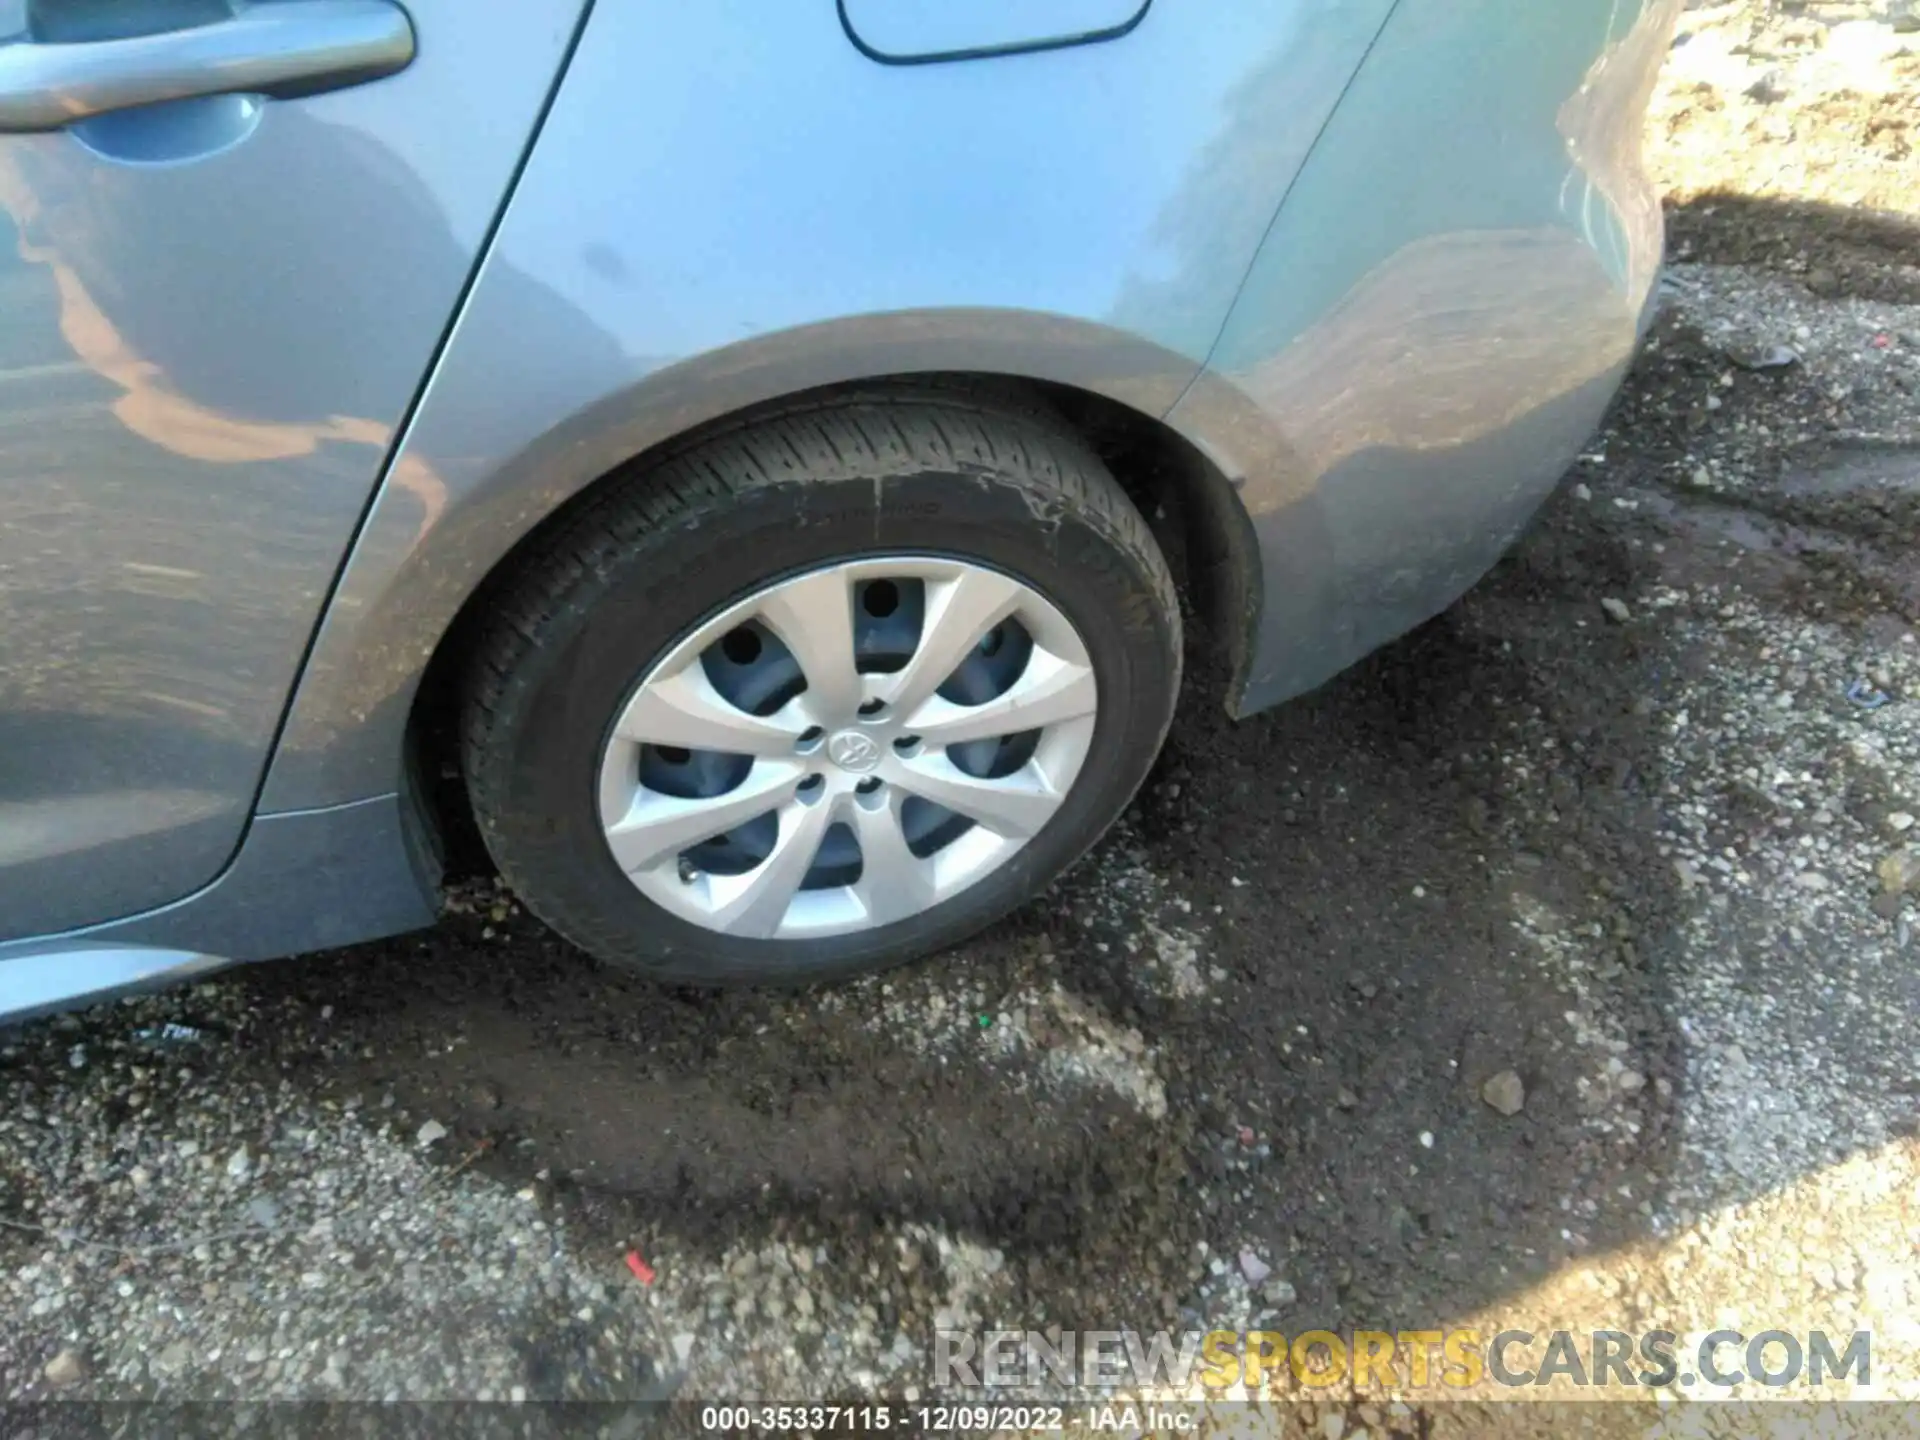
281,48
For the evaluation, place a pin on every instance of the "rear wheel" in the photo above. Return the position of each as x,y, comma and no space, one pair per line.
824,693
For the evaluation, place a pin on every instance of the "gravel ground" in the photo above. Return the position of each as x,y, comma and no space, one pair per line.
1554,968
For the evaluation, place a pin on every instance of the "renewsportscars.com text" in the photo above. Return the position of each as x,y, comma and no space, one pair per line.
1453,1359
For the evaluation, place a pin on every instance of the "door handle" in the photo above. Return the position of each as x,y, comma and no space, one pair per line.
282,48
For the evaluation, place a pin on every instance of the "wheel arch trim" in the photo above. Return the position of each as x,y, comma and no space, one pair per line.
443,523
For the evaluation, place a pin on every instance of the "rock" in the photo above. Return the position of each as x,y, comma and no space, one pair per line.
1899,871
1616,610
264,1212
239,1164
1764,357
1631,1082
1345,1098
1769,88
1505,1092
1333,1425
1254,1268
1812,880
1278,1293
1583,492
1899,822
1904,19
140,1177
429,1133
66,1369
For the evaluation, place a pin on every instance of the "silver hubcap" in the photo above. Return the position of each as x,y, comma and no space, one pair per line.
847,748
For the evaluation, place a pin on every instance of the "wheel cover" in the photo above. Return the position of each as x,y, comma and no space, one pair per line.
847,748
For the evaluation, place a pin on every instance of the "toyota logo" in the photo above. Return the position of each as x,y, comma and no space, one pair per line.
851,750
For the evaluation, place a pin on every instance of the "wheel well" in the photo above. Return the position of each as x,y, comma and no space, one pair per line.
1188,503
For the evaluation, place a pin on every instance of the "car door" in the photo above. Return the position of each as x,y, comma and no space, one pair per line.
215,312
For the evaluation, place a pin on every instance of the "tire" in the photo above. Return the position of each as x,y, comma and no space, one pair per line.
617,583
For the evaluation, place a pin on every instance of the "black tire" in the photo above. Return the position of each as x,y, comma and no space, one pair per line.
652,554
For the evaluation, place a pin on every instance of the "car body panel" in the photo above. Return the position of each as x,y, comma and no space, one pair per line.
1083,215
301,882
1416,360
217,316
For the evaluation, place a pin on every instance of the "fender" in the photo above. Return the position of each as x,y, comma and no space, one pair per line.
439,528
730,202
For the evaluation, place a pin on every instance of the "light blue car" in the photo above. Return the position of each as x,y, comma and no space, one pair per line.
738,442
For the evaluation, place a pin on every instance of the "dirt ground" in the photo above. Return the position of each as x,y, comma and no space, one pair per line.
1234,1069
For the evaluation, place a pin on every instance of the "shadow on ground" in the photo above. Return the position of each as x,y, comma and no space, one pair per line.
1866,254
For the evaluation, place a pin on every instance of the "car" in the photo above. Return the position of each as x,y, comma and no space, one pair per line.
734,450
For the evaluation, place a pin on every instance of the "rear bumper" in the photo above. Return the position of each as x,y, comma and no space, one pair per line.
1415,361
1389,539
